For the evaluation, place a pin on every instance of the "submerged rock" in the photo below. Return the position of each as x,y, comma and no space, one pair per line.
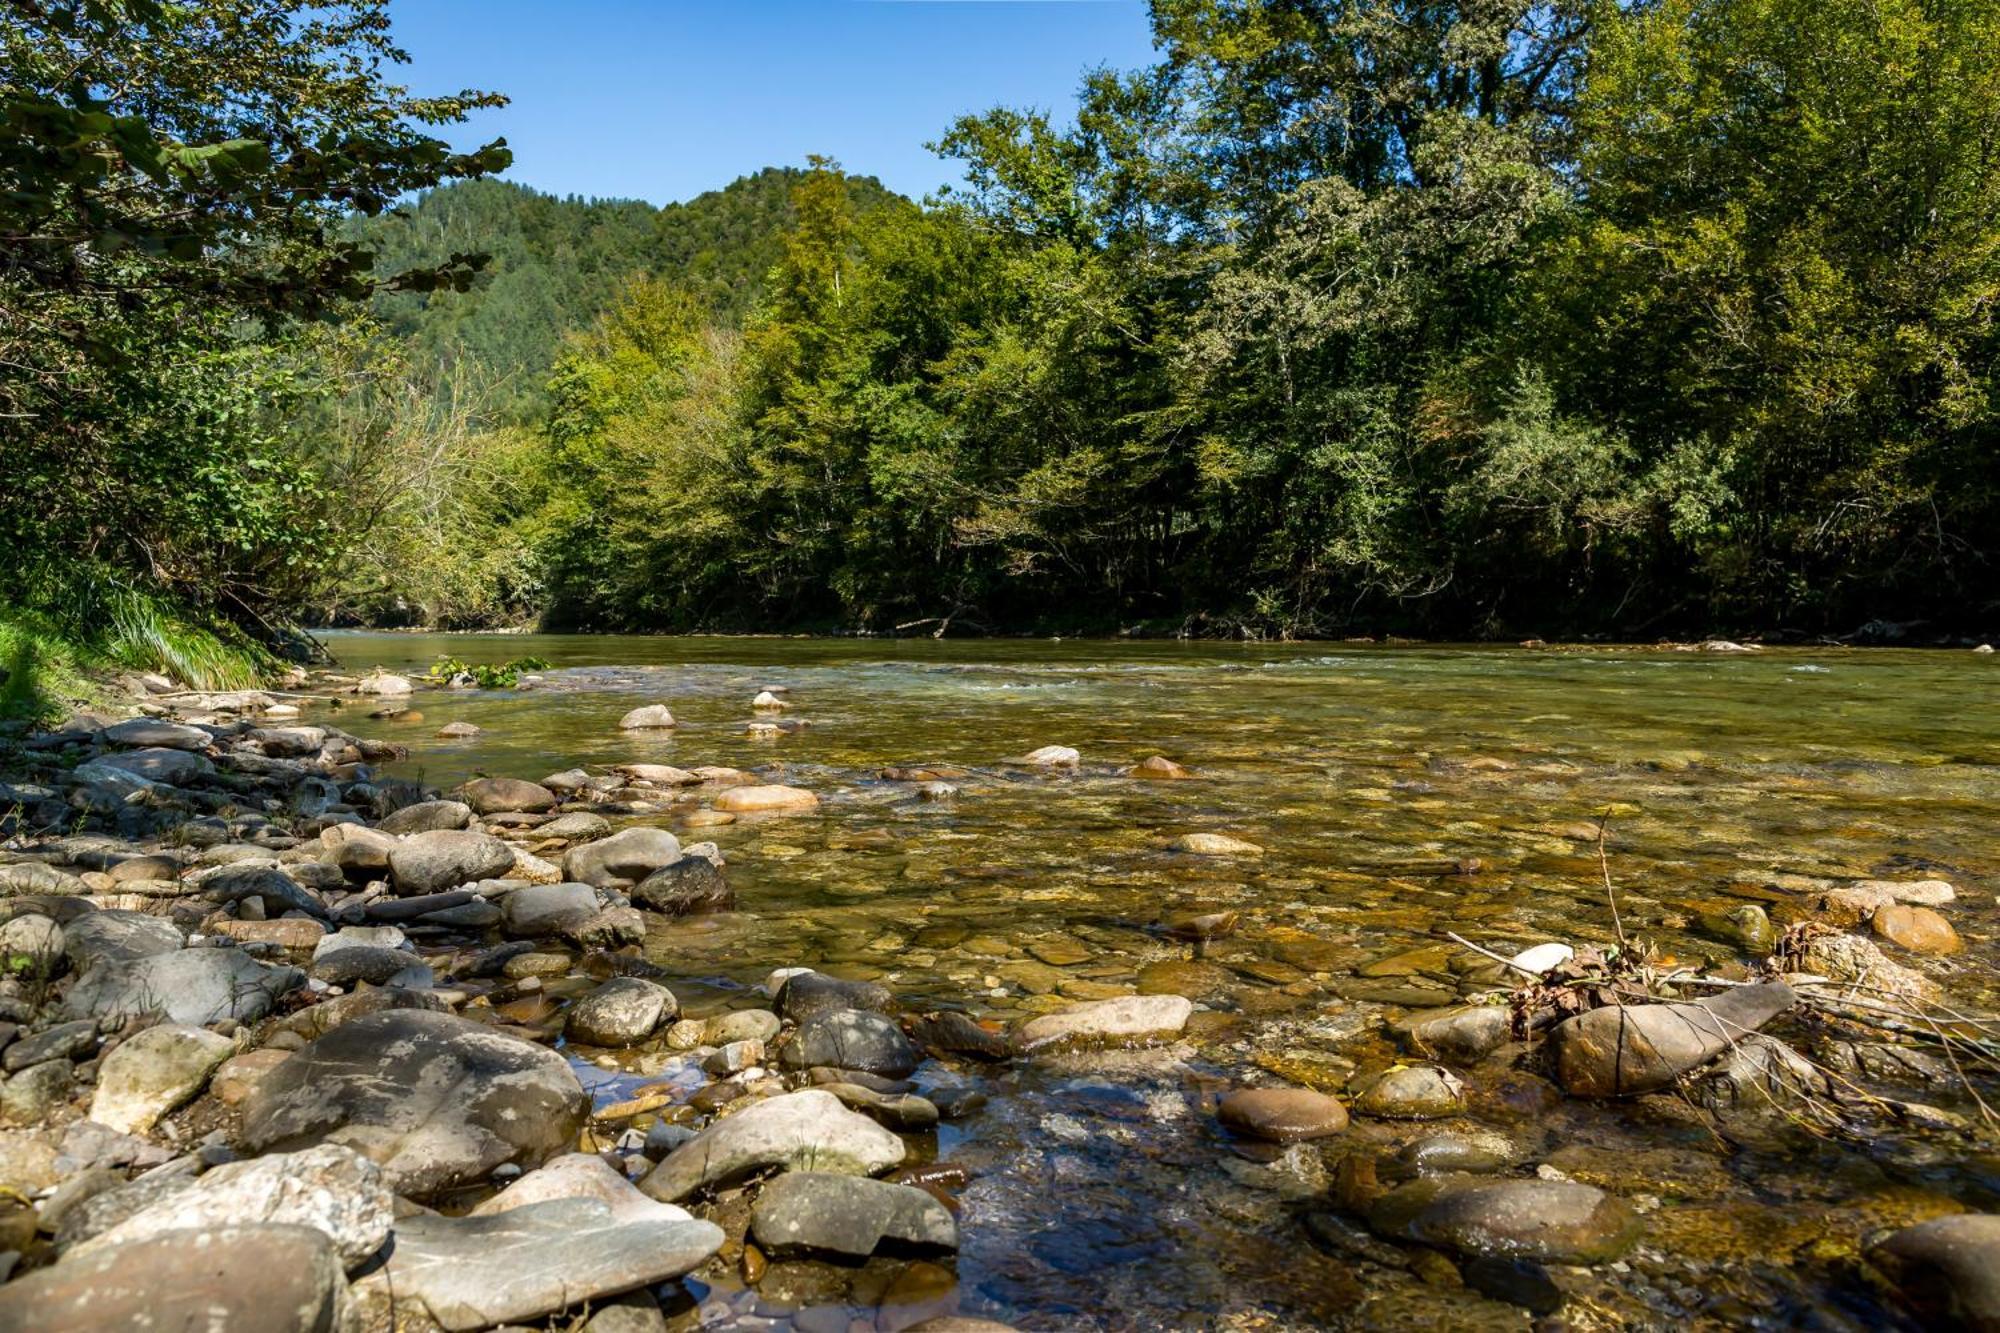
1129,1020
1945,1271
438,1100
805,993
816,1212
798,1131
1282,1115
1215,844
1412,1092
1621,1050
1917,929
765,799
1552,1221
1465,1034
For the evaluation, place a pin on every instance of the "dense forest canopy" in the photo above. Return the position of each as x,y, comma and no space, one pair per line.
1462,319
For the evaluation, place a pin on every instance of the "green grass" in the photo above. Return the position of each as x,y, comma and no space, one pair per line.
52,663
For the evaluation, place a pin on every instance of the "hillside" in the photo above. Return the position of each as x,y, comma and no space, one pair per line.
557,261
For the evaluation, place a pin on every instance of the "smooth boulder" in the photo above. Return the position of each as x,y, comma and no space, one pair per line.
624,1011
437,1100
768,799
819,1212
852,1039
627,855
1622,1050
237,1279
493,796
1945,1271
1282,1115
446,858
797,1131
1548,1221
153,1073
192,986
1128,1020
526,1262
647,717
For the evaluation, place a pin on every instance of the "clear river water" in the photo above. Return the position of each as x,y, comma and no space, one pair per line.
1397,793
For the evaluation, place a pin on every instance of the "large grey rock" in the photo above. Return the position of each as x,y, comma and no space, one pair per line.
154,1072
799,1131
526,1262
194,986
32,943
438,1100
647,717
694,884
118,936
1945,1271
62,1041
331,1189
546,909
159,764
276,892
1465,1034
427,817
1621,1050
430,862
852,1039
1129,1020
624,1011
238,1279
1549,1221
147,732
290,742
627,855
818,1212
492,796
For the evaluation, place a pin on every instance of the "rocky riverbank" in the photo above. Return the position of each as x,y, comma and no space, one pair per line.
281,1033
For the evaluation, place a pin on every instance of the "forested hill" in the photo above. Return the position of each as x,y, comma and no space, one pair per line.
555,264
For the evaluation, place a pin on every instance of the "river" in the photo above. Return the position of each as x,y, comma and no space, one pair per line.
1398,793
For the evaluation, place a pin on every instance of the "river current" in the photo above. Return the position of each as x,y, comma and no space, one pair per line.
1397,794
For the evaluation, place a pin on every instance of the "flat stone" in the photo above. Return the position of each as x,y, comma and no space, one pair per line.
63,1041
1215,844
531,1261
766,800
577,826
1464,1034
374,965
1549,1221
147,732
1054,756
816,1212
273,890
235,1279
1130,1020
288,932
236,1076
426,817
331,1189
159,764
154,1072
904,1112
1282,1115
192,986
438,1100
798,1131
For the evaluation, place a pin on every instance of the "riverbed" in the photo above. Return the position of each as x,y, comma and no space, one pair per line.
1395,794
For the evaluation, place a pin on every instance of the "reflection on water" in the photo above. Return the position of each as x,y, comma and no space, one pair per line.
1397,794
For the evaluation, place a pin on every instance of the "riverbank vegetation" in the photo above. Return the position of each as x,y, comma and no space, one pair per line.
1576,317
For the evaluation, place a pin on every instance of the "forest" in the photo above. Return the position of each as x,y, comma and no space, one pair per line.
1593,318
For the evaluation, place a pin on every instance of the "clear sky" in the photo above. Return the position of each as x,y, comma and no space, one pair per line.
663,99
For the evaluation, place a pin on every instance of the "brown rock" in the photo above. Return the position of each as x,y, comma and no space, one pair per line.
1918,929
286,932
1158,768
744,800
1282,1115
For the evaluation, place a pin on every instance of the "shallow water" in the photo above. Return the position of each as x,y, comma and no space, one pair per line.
1374,778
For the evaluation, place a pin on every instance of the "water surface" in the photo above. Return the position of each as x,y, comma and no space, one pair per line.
1399,793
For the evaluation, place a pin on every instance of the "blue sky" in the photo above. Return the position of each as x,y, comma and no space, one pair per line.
663,100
